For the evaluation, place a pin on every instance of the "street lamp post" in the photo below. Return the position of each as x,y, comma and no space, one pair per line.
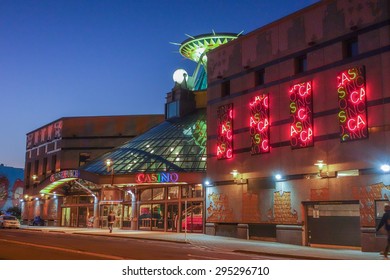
110,168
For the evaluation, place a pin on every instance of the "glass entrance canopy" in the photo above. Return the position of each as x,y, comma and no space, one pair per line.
175,145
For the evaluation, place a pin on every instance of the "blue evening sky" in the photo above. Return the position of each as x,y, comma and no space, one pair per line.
61,58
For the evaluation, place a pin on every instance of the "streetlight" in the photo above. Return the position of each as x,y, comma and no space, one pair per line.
110,168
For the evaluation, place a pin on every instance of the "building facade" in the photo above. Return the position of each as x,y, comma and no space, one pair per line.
152,182
298,128
65,145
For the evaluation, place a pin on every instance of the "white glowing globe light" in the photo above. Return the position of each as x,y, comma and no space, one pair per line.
178,76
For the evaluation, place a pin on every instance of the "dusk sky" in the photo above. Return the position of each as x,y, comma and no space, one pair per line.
92,58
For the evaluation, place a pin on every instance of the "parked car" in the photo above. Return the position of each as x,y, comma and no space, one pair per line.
38,221
9,221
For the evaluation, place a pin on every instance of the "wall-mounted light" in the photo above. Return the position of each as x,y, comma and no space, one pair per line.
385,167
320,165
207,183
237,177
278,177
234,173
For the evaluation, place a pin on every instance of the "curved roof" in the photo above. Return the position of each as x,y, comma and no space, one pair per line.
175,145
195,46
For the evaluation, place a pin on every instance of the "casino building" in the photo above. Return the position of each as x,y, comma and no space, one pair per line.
56,150
152,182
298,128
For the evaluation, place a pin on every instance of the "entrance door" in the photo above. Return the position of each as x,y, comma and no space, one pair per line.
334,224
172,217
105,210
83,215
65,217
192,217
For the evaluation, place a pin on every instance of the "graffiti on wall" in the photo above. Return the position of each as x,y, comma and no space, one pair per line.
11,186
219,209
282,213
368,195
250,208
319,194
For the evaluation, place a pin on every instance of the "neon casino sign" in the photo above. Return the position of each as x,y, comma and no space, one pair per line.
225,132
65,174
162,177
301,110
259,124
352,115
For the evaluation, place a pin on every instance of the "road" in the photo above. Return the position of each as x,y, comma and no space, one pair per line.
31,245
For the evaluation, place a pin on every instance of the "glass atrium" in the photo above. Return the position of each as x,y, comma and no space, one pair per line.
176,145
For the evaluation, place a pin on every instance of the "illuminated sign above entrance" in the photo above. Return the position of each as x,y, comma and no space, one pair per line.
66,174
163,177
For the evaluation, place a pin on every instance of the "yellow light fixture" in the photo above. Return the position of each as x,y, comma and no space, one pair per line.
234,173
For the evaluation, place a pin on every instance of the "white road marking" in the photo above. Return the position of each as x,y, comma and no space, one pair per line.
202,257
65,250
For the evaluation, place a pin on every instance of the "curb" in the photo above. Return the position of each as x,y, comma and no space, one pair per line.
299,257
131,237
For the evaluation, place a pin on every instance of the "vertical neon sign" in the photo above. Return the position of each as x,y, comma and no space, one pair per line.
301,108
351,88
259,124
225,132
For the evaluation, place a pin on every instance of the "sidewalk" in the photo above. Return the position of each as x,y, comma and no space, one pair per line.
220,243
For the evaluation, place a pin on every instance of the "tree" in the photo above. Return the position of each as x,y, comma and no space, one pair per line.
15,211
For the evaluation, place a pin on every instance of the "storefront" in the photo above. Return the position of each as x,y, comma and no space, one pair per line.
174,208
154,182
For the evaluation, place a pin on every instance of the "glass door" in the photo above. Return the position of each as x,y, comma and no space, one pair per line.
172,217
83,216
192,217
65,217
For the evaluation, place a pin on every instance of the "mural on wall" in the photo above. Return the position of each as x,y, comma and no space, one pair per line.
319,194
368,195
11,186
250,208
4,184
219,209
53,209
282,213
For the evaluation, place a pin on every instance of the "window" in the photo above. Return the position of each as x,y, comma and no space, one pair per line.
350,47
300,64
44,167
36,167
225,88
259,77
192,191
53,163
84,158
28,173
173,192
158,193
172,109
146,195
